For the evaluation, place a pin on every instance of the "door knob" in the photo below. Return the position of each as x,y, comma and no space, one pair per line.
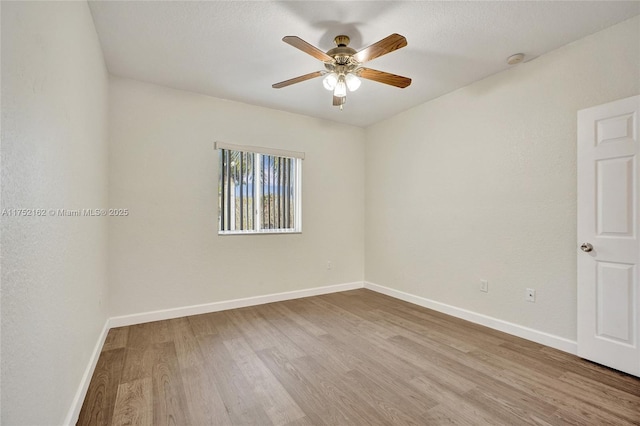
586,247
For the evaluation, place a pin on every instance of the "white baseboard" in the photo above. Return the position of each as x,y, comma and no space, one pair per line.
206,308
76,406
125,320
541,337
74,411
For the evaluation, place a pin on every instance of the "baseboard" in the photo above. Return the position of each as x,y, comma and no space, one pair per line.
125,320
206,308
543,338
121,321
76,405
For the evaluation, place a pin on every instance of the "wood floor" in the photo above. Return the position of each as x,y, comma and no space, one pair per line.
352,358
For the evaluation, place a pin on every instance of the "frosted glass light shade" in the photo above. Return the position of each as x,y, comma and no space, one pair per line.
353,82
341,89
330,81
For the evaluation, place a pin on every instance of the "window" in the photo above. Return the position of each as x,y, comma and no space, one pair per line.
258,190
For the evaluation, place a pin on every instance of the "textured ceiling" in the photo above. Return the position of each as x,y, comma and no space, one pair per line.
233,49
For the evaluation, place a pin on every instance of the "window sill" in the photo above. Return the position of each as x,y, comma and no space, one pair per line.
264,232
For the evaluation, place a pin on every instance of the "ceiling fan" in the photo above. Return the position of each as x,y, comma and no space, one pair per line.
343,65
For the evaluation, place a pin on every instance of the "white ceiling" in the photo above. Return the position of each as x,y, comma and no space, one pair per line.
233,49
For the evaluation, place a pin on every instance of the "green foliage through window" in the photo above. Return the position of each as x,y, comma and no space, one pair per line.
258,192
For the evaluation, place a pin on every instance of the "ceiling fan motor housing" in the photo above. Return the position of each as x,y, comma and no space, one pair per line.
341,53
341,40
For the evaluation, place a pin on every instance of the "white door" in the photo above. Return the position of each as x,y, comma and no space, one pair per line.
608,244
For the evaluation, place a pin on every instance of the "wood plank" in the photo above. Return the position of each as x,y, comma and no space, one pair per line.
310,342
448,398
308,326
336,392
488,388
226,329
390,405
275,400
134,403
554,392
347,343
305,421
304,393
591,370
169,403
202,325
144,343
241,402
460,412
591,391
260,334
356,357
116,338
204,403
97,408
510,407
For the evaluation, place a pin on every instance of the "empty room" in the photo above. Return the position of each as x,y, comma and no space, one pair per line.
320,213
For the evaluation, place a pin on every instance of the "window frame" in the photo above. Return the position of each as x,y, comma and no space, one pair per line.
259,153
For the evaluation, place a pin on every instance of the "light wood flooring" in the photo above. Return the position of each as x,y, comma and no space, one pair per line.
352,358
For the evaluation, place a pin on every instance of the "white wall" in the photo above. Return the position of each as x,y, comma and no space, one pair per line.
163,168
481,184
54,156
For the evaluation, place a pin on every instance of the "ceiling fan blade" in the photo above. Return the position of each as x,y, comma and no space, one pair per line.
384,46
297,79
339,100
299,43
385,77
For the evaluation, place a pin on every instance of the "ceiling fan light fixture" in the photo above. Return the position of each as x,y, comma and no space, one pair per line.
341,88
330,81
353,82
343,69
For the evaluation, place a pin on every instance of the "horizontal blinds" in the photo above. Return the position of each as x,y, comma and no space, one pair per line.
260,150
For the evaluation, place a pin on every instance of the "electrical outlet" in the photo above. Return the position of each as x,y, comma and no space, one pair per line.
484,286
329,265
530,295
